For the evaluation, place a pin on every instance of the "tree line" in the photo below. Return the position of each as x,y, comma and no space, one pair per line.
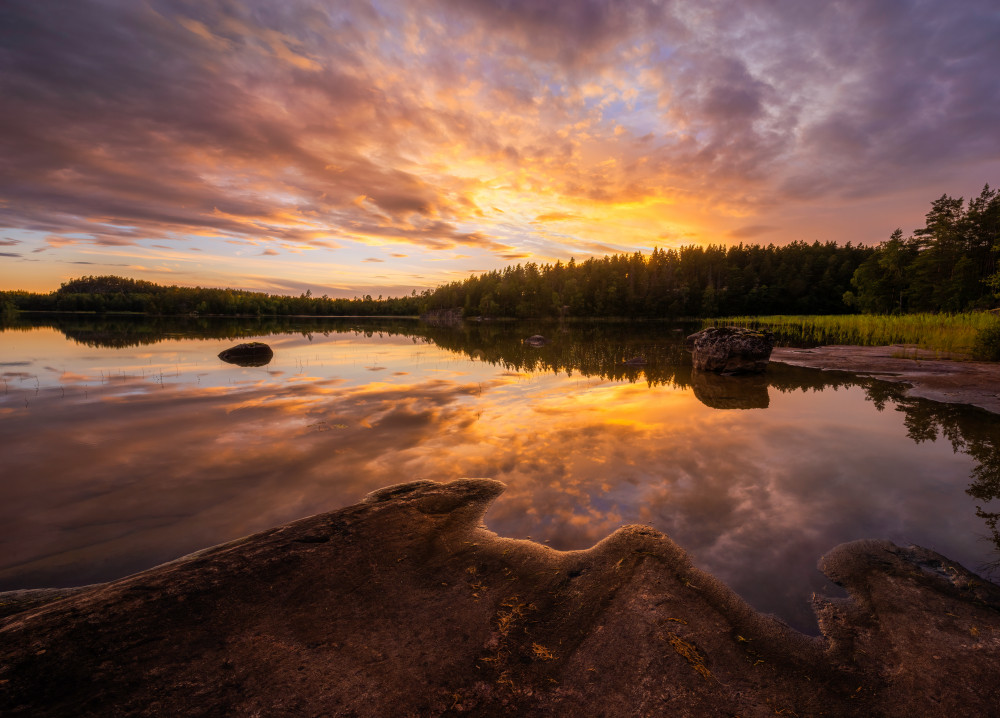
692,281
120,294
949,265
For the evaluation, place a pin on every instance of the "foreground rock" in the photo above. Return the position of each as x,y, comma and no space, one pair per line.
730,350
405,605
248,354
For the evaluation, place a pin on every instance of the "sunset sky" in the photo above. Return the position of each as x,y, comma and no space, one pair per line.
353,147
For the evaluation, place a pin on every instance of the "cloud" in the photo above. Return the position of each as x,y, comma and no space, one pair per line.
555,217
269,253
8,242
749,231
373,259
446,123
9,254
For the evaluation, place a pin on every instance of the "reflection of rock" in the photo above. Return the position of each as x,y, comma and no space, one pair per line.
730,392
636,361
249,354
407,589
730,350
536,340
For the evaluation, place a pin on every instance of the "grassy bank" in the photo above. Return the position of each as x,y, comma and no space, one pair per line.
948,334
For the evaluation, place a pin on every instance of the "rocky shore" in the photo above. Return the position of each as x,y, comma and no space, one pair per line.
928,377
405,605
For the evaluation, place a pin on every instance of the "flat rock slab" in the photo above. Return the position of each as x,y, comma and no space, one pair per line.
952,382
404,605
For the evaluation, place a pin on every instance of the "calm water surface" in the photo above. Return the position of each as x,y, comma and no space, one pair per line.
127,443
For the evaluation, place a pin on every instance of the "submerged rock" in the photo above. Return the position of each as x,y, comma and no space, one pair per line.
536,340
248,354
731,350
405,605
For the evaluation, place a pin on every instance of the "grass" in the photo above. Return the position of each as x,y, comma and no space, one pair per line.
949,334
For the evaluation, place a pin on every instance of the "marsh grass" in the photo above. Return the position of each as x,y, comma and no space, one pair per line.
946,335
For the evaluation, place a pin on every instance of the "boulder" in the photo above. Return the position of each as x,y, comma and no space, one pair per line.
731,350
406,605
248,354
536,340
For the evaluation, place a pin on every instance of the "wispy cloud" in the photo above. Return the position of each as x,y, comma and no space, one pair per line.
749,231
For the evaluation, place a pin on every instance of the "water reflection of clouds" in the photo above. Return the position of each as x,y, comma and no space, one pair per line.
219,463
746,500
140,471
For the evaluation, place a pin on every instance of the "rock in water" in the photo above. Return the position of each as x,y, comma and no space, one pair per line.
249,354
731,350
536,340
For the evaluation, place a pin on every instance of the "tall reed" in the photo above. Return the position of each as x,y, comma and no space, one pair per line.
953,334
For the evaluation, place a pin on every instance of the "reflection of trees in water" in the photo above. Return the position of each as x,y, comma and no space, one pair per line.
651,352
604,350
123,331
972,431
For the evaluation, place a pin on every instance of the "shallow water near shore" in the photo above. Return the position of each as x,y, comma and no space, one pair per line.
127,443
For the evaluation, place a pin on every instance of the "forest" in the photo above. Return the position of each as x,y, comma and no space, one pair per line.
948,265
118,294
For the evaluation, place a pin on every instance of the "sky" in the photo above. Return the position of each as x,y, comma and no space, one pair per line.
370,147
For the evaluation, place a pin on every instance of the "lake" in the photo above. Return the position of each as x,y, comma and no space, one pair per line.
127,443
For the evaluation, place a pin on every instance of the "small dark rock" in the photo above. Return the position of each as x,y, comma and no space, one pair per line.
731,350
536,340
249,354
636,361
